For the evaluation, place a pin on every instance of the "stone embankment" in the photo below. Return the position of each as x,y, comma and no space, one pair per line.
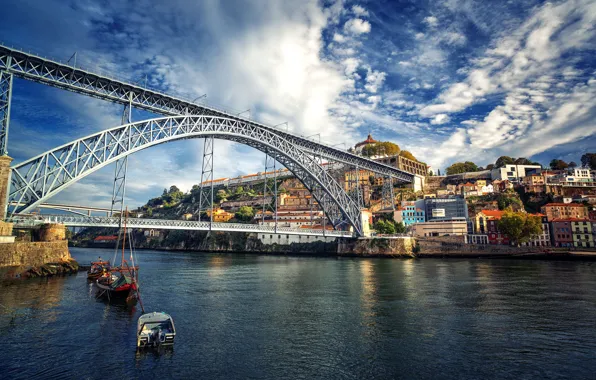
378,247
48,256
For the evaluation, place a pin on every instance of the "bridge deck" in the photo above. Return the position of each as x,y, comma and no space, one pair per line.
161,224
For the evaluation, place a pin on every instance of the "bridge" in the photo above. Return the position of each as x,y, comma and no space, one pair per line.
26,222
34,181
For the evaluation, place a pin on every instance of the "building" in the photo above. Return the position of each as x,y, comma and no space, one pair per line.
581,229
220,215
494,234
286,239
105,239
441,228
514,173
482,218
561,233
405,164
412,212
564,211
544,239
369,141
486,189
575,177
445,208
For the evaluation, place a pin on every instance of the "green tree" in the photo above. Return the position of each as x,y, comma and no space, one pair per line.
522,161
221,195
381,148
462,167
245,214
490,167
504,160
520,227
589,160
558,164
239,190
384,227
572,165
400,228
407,154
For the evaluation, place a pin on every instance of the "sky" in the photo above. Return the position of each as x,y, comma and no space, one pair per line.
449,80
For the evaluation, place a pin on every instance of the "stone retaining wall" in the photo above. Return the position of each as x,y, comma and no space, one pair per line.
33,254
403,246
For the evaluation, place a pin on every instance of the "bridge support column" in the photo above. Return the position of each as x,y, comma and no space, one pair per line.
5,99
5,174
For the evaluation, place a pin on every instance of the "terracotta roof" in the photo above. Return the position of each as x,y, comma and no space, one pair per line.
369,140
106,238
563,205
496,214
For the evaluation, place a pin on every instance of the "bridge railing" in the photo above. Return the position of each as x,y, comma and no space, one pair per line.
142,223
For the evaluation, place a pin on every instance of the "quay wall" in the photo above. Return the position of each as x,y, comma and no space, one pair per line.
378,247
34,253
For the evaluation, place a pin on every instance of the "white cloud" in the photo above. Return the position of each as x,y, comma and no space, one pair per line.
359,11
351,65
440,119
357,26
337,37
374,80
419,36
431,21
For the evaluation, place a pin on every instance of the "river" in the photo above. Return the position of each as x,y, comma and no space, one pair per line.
272,317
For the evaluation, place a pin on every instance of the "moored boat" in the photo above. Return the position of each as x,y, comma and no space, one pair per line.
98,269
155,329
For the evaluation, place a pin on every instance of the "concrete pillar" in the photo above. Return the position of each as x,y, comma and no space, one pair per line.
4,183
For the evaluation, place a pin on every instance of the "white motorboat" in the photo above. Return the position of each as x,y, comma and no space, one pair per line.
155,329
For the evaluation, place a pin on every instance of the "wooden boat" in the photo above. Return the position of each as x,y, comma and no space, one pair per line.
155,329
98,269
121,281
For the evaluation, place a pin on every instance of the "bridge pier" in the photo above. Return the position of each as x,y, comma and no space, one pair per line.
5,172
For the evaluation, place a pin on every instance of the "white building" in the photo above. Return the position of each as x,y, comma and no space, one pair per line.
488,189
513,172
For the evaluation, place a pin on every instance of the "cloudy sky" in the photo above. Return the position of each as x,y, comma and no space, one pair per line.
448,80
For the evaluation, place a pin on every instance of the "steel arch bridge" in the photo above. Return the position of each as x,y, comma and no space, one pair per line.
37,179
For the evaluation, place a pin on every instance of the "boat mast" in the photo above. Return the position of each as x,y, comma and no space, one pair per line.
124,238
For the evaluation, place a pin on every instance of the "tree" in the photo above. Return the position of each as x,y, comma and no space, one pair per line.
430,173
572,165
408,155
520,227
504,160
522,161
438,172
221,195
381,148
462,167
400,228
384,227
589,160
174,189
245,214
558,164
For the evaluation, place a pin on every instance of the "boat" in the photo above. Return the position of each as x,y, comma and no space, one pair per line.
98,269
155,329
121,281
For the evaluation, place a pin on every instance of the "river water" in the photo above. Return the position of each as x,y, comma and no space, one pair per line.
272,317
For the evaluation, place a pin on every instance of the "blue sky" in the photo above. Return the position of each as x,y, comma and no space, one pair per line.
449,80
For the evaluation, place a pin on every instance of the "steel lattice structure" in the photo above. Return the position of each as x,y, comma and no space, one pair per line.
41,177
5,99
68,77
98,221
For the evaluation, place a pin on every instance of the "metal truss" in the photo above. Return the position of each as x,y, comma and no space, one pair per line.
43,176
388,197
206,190
121,167
162,224
270,165
5,99
64,76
